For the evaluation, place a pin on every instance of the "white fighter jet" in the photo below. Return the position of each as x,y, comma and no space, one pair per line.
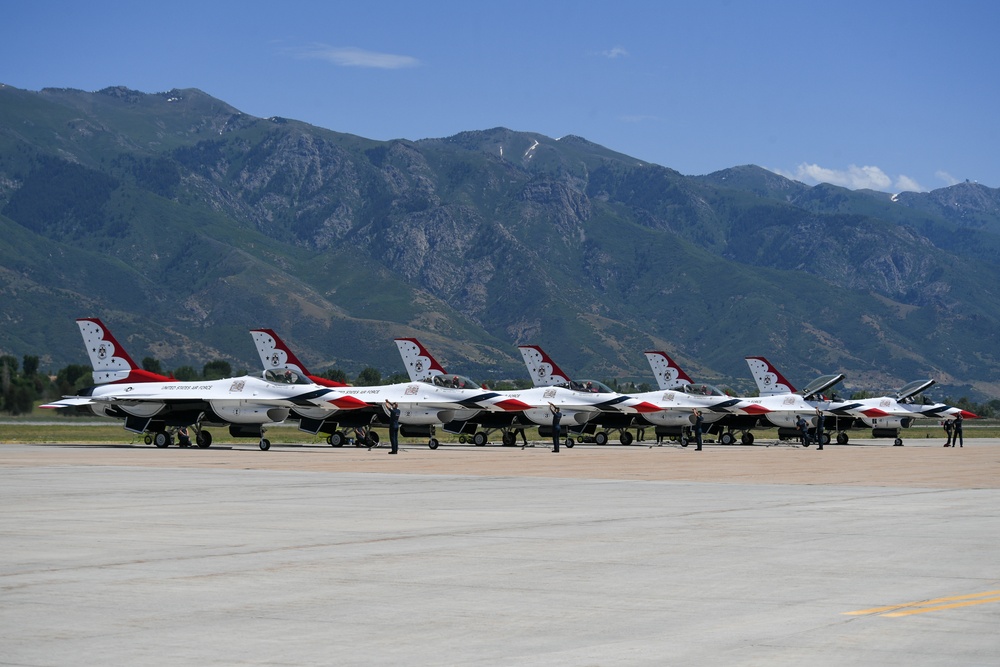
423,404
885,415
152,404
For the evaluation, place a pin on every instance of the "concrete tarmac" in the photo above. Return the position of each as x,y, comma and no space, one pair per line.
860,554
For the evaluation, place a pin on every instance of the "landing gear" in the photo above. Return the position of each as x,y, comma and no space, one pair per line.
626,438
601,438
336,439
162,439
508,439
265,444
432,443
727,438
842,438
569,443
480,439
202,438
898,442
747,438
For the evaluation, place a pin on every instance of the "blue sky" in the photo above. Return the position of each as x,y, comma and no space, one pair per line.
887,95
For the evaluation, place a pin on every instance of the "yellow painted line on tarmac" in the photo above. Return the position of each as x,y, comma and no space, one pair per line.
924,606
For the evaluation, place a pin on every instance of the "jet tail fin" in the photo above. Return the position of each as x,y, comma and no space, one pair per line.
110,361
668,374
274,353
543,371
769,379
420,364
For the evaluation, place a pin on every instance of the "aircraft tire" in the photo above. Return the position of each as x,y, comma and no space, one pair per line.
684,441
432,443
508,439
842,438
898,442
570,443
336,439
626,438
747,438
601,438
727,438
479,439
161,439
373,439
148,439
204,439
265,444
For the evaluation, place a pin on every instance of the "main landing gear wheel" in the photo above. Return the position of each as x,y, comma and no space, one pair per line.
727,438
842,438
570,443
684,441
747,438
508,439
162,439
626,438
432,443
336,439
898,442
203,439
601,438
479,439
265,444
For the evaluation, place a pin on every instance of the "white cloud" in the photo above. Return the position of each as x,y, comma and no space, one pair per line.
946,177
349,56
615,52
907,184
853,178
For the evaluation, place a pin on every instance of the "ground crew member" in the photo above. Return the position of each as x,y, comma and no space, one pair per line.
957,440
392,409
803,427
556,418
698,423
819,428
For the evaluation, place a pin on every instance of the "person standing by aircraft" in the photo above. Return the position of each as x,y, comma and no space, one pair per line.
948,425
392,409
803,427
699,422
556,418
819,429
956,439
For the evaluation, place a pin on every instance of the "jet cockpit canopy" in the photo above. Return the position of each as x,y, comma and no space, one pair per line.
590,386
284,376
701,389
452,381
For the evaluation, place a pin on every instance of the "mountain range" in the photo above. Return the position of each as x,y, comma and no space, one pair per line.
182,223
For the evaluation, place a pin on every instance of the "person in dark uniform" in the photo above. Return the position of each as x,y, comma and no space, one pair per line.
524,440
183,439
556,417
803,427
819,428
699,423
956,439
948,425
392,409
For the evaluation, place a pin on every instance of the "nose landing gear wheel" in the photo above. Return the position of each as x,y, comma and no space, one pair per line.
265,444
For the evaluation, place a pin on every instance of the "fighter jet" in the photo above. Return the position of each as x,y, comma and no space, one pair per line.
148,404
424,405
885,415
